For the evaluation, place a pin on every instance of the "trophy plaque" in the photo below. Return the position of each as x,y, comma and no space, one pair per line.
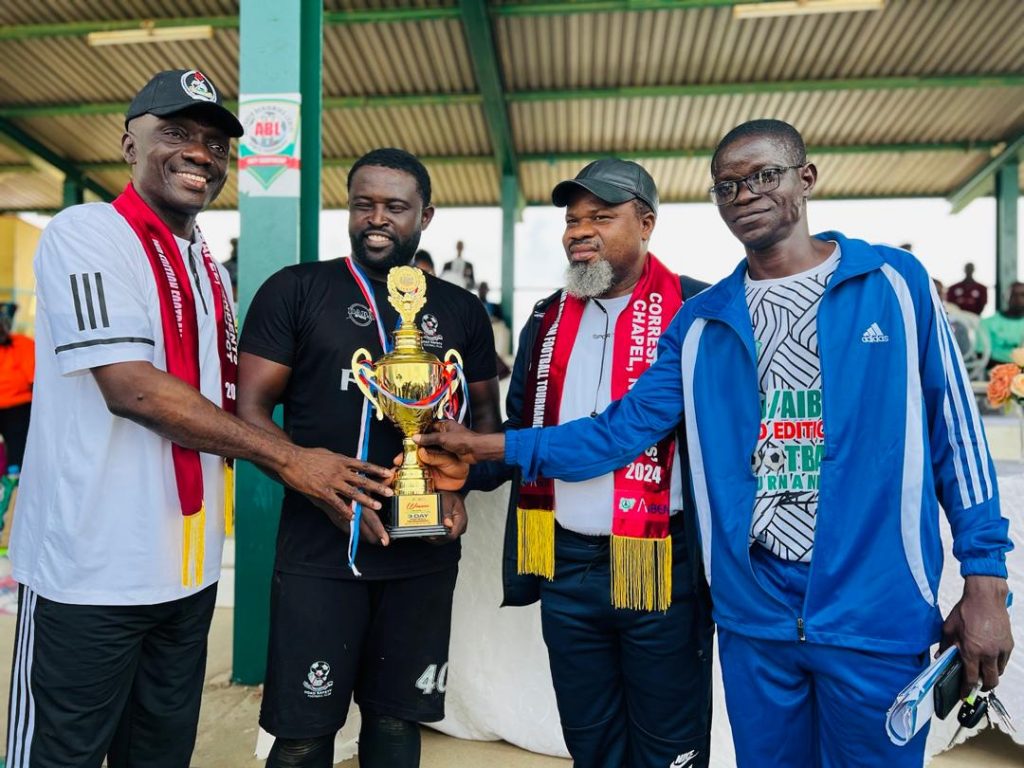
411,387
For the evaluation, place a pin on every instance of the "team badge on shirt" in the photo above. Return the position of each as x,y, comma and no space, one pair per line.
360,314
431,338
195,84
316,683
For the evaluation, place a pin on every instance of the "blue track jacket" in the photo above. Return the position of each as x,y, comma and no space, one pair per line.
902,435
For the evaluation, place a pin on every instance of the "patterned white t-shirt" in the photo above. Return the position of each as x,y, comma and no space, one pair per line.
791,444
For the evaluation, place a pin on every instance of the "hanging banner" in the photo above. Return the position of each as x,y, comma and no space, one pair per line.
269,157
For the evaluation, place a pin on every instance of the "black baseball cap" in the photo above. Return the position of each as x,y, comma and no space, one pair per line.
614,181
179,89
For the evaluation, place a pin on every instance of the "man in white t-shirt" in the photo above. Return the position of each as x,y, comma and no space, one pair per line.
118,540
612,560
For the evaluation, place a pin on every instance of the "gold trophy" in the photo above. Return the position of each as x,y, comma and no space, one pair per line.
411,387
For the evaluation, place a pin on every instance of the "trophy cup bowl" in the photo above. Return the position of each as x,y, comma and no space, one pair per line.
411,387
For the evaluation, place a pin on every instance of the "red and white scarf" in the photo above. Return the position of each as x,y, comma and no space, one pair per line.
641,547
181,343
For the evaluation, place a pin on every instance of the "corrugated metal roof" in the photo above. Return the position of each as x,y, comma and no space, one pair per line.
415,57
573,52
458,130
909,174
10,155
84,139
824,117
453,184
59,11
708,45
51,70
29,191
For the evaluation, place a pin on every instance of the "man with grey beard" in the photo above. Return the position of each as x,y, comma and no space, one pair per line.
613,560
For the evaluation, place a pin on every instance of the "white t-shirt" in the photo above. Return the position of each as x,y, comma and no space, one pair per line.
586,506
791,445
98,518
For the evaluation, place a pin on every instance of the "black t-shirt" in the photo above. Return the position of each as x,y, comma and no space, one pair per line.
312,318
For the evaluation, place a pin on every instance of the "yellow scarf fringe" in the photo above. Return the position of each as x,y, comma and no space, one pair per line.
193,533
193,548
536,542
229,499
641,573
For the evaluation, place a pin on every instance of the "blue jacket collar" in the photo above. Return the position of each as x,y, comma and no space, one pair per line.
726,300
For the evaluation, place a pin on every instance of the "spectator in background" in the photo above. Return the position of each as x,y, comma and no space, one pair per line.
493,310
17,372
968,294
1006,327
423,261
458,270
231,267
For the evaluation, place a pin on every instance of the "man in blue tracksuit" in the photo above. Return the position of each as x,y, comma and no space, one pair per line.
828,416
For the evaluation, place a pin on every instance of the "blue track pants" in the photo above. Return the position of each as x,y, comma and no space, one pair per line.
795,703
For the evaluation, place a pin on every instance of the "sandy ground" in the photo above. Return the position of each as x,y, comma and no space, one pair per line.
227,728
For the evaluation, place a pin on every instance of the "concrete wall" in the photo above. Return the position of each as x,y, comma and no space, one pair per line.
18,241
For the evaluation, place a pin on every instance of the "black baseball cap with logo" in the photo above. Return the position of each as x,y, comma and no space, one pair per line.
612,180
177,90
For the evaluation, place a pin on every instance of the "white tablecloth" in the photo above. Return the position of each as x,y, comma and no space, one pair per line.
499,684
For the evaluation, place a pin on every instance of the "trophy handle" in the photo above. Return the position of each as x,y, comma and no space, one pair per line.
361,360
452,358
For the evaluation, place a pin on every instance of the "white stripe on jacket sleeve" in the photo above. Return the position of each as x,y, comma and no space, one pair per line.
688,363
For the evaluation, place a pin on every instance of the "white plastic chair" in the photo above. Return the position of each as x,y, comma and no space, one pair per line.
971,339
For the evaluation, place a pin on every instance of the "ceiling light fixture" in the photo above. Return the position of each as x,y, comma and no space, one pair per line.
149,32
803,8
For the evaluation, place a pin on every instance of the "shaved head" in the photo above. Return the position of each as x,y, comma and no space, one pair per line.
780,133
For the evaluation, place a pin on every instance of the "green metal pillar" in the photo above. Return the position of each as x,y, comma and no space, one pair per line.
1007,193
272,61
74,192
511,211
311,79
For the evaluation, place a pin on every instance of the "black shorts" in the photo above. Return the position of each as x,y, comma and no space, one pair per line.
384,641
95,681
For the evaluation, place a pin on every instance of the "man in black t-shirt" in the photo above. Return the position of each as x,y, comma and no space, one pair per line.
384,636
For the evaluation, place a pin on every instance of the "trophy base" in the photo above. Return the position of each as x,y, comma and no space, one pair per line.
416,514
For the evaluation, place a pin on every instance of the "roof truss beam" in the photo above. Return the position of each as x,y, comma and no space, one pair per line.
650,154
980,182
484,59
33,149
764,87
28,111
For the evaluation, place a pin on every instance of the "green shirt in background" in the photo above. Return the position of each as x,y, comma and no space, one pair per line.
1006,333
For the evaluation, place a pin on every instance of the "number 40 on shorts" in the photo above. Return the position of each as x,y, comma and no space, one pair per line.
433,679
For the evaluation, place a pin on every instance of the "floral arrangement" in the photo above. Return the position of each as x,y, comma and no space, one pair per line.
1006,381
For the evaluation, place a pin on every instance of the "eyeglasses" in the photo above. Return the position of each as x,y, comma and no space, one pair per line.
759,182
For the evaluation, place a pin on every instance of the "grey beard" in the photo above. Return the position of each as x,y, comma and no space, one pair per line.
585,281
